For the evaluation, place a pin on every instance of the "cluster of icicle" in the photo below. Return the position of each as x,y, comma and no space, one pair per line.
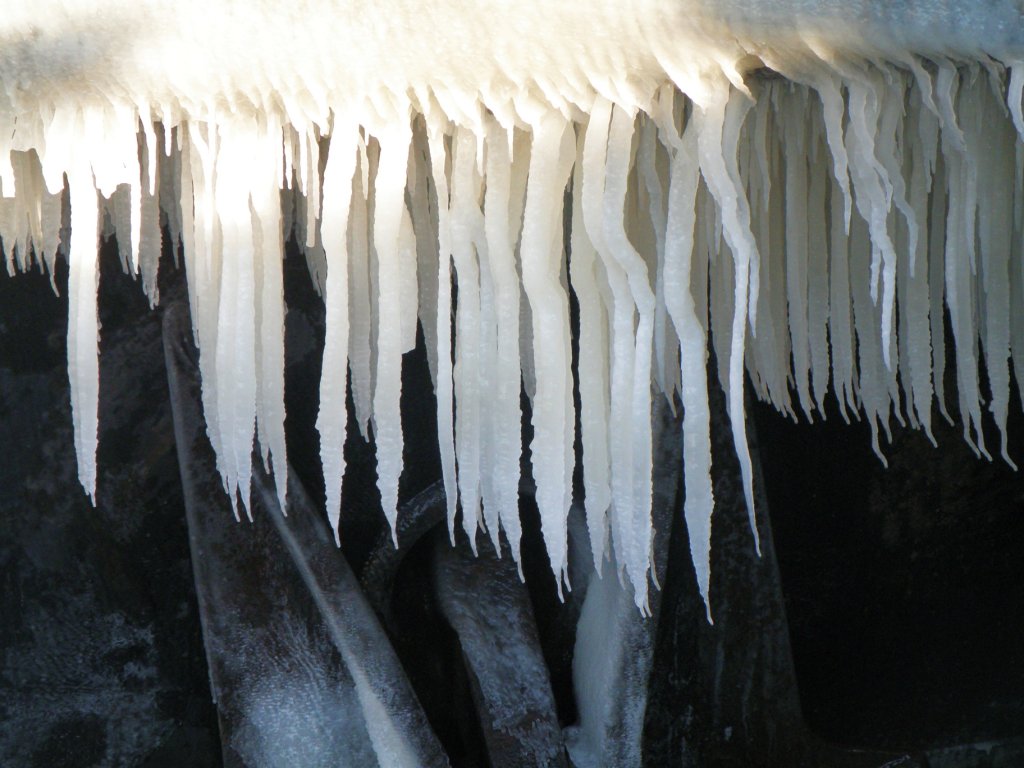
811,229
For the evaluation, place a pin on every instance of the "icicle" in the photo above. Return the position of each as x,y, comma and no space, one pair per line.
491,519
994,139
647,165
778,373
541,252
870,363
148,232
204,281
504,409
721,289
168,192
134,239
8,125
8,234
332,421
918,341
83,323
423,209
593,367
621,311
119,208
517,201
817,270
637,294
959,258
408,288
360,312
189,233
830,93
888,151
873,194
717,162
235,363
310,153
467,371
50,222
769,369
26,216
268,248
793,109
387,417
840,329
444,390
699,501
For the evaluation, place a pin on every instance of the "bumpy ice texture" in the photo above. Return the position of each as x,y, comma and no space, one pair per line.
812,229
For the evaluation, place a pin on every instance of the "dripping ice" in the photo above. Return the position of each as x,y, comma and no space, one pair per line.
796,226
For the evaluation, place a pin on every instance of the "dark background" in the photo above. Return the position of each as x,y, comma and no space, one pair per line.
903,589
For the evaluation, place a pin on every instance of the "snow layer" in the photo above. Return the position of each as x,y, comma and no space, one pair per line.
641,156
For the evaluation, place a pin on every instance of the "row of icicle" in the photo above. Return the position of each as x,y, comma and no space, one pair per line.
813,233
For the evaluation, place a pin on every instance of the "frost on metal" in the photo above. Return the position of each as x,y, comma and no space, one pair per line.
807,190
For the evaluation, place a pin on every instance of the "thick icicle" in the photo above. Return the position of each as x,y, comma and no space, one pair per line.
83,323
959,262
444,390
637,282
205,276
268,248
235,355
505,412
995,211
793,109
622,328
665,348
541,252
332,421
699,501
423,209
718,132
593,370
465,210
360,314
387,416
873,195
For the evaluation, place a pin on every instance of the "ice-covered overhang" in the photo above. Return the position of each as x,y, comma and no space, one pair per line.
812,228
317,56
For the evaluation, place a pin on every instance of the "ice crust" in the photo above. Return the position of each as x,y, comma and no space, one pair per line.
813,227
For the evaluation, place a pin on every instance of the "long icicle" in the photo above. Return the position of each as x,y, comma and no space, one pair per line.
83,323
332,420
635,271
387,415
465,210
717,152
593,370
541,252
698,505
505,410
444,390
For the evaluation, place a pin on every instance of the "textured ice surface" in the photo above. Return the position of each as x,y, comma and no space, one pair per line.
490,610
797,224
301,671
